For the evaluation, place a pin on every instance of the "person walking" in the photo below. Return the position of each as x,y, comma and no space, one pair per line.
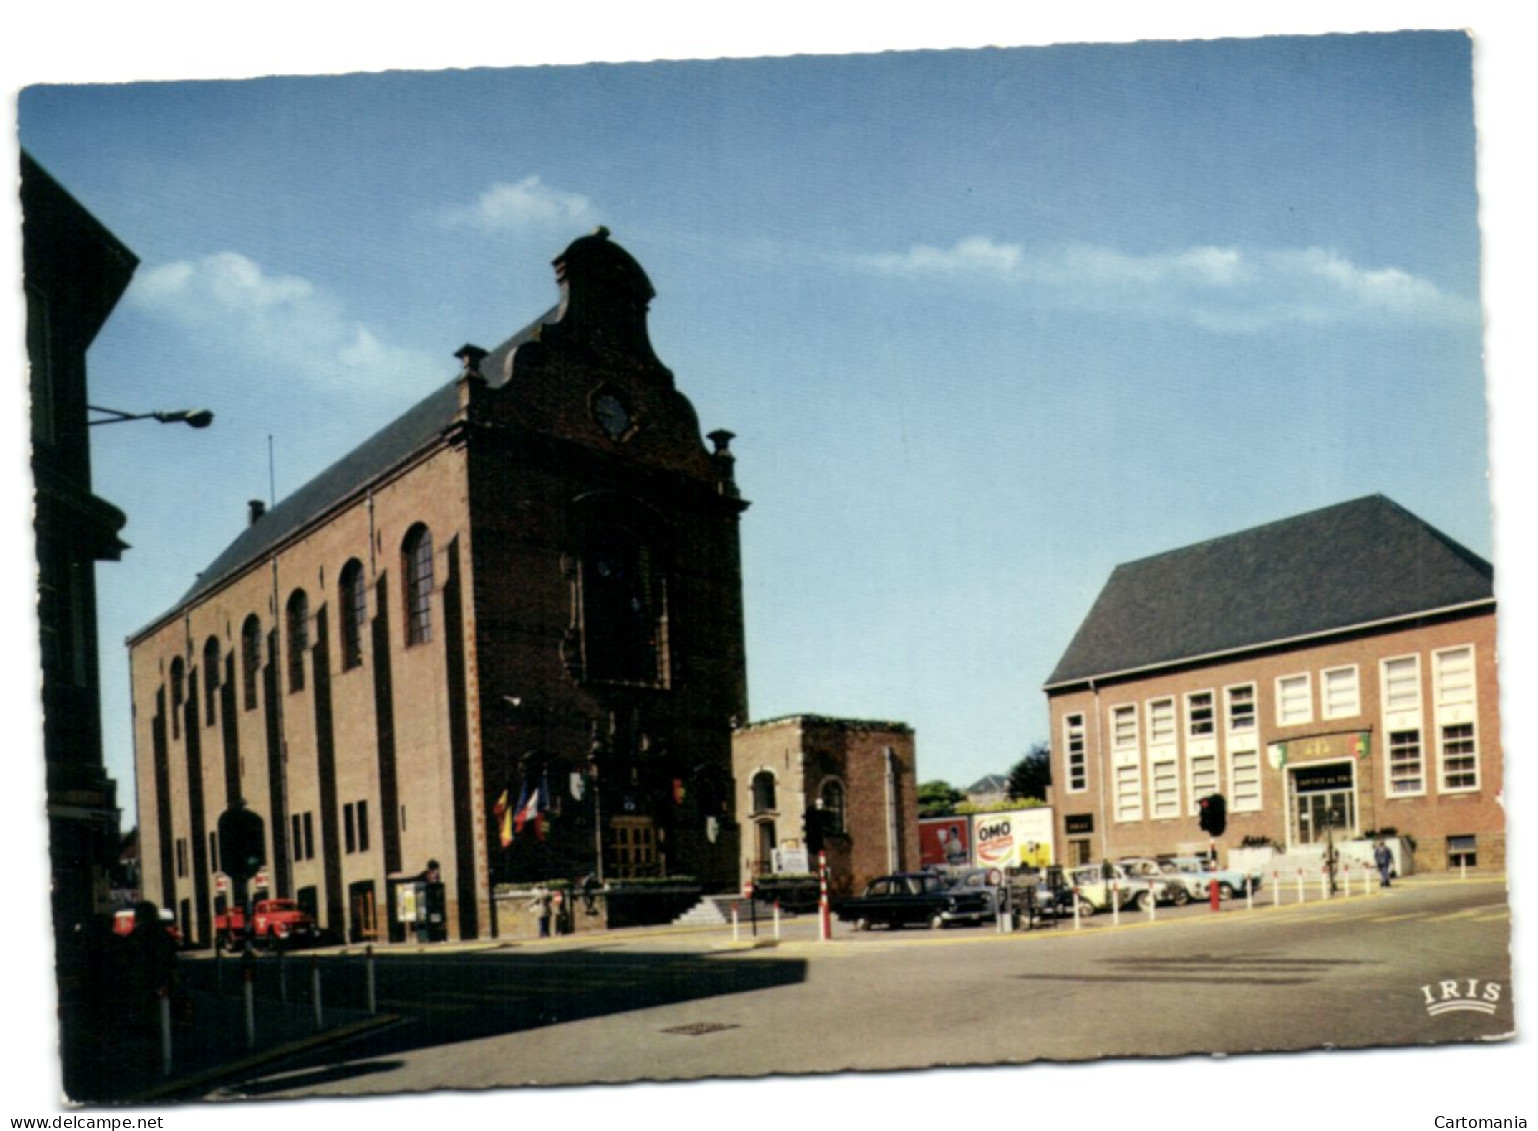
1384,859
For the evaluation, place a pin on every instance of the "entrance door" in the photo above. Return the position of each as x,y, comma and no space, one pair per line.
1323,802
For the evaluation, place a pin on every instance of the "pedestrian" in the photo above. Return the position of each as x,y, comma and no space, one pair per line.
540,905
1385,861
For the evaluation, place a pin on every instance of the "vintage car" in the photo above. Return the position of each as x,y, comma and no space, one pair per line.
1180,888
1096,883
1230,881
914,897
124,921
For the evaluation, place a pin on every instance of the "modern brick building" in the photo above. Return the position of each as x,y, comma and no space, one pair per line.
501,640
863,776
1332,675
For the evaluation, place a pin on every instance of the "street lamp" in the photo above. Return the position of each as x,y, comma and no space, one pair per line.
192,417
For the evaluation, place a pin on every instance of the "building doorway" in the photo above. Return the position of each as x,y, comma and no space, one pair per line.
1323,802
365,912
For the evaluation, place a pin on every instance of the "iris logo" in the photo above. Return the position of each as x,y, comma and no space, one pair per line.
1468,995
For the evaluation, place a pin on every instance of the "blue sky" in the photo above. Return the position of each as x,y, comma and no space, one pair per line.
986,322
983,335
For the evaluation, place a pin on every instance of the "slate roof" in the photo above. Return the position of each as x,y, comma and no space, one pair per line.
1345,566
414,430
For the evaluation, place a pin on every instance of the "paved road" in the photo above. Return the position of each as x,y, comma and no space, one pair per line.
1419,964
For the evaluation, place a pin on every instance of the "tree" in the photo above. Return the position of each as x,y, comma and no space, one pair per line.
1030,777
938,799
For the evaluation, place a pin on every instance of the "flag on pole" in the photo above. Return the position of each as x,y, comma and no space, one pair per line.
504,817
1363,746
529,806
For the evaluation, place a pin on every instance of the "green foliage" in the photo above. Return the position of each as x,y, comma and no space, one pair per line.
1030,777
939,799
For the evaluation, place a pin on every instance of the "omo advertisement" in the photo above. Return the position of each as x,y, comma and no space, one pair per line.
1014,839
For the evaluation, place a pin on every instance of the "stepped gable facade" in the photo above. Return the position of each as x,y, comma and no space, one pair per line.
499,641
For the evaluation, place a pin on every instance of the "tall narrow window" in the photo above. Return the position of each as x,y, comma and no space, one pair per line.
833,806
763,792
250,661
1406,766
210,679
178,695
1241,708
1199,721
354,609
1161,722
1127,769
417,569
1073,742
1457,739
298,638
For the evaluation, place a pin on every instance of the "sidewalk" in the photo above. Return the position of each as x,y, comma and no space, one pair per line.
209,1043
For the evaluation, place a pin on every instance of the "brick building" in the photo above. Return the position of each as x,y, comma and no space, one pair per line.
1332,675
500,640
863,776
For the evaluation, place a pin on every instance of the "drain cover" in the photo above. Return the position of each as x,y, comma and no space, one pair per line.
699,1028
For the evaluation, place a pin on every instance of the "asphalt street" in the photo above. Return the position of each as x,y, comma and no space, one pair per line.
1420,964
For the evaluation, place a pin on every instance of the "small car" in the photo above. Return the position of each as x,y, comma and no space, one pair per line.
1180,888
1095,884
914,897
1230,881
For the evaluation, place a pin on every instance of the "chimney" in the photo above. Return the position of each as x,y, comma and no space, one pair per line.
255,509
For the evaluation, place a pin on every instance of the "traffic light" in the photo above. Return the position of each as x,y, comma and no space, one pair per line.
812,825
1214,817
242,842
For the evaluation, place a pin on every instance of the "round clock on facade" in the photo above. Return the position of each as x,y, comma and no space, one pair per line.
612,415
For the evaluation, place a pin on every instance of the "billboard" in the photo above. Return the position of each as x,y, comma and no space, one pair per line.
945,842
1013,839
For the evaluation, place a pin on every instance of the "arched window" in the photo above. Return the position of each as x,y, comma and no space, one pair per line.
298,637
417,569
250,661
178,695
354,607
832,798
763,792
210,678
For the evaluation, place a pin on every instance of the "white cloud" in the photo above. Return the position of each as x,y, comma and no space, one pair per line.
520,205
227,303
1224,289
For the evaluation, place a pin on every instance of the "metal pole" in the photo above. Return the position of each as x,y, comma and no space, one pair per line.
248,990
165,1031
373,999
320,1014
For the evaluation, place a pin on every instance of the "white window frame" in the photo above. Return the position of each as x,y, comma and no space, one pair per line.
1075,754
1340,692
1126,764
1396,770
1400,703
1244,769
1191,715
1457,705
1164,788
1202,778
1252,713
1161,721
1283,683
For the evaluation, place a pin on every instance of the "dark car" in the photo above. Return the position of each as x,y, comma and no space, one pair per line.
914,897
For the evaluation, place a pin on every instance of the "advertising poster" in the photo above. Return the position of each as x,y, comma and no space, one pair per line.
1016,839
945,842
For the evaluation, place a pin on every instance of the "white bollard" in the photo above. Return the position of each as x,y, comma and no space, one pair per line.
1324,883
1115,904
1151,901
1300,885
1276,889
734,922
1249,895
1463,869
1076,909
776,920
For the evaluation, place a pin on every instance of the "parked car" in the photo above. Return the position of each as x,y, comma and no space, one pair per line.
1096,883
1180,888
1230,880
914,897
1048,891
984,882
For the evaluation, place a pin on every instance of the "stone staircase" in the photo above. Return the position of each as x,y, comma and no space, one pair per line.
716,911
